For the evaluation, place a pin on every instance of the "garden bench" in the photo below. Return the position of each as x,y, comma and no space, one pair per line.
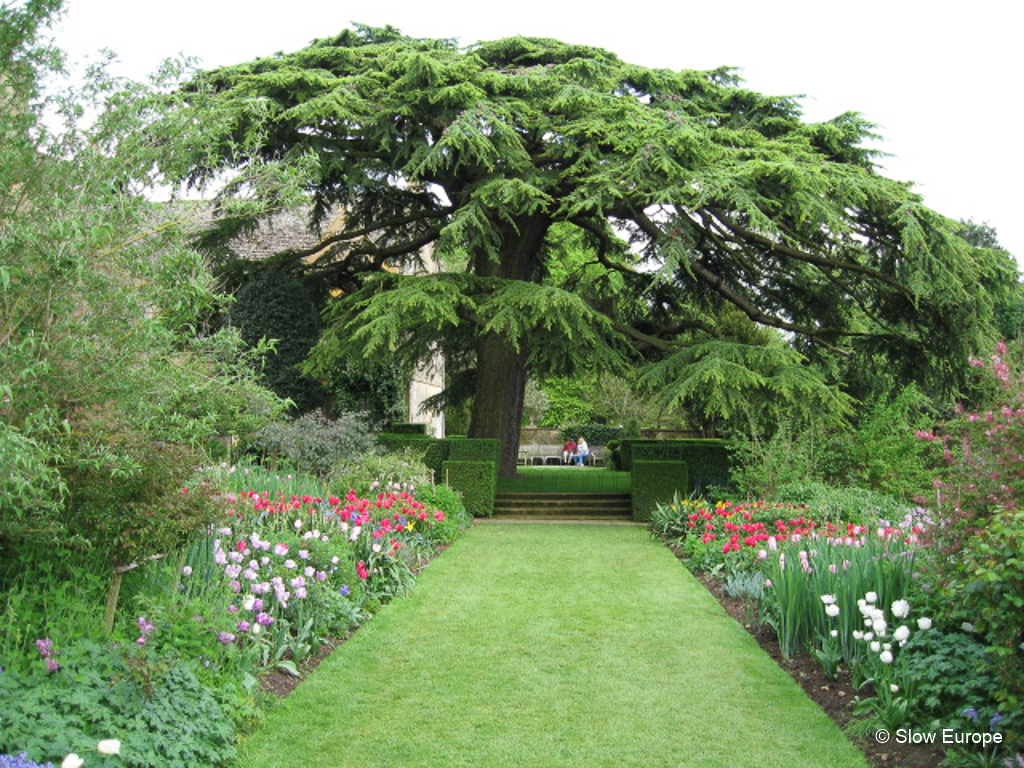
551,455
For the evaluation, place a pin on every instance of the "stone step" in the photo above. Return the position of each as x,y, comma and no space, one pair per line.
563,505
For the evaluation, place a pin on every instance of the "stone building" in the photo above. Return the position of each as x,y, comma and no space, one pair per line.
288,230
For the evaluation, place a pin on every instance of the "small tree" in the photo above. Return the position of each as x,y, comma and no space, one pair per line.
110,380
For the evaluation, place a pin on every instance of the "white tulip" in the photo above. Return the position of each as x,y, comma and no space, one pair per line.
109,747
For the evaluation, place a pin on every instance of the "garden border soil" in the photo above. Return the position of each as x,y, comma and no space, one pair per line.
835,697
280,683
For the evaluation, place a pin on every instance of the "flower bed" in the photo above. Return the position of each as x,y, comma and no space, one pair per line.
282,576
844,593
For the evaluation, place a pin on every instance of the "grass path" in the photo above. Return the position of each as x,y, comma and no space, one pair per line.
550,645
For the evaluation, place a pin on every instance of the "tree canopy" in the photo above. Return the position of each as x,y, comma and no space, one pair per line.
689,192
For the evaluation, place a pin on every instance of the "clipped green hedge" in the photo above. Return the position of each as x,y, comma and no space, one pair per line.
708,461
407,428
476,480
473,449
396,441
655,482
436,455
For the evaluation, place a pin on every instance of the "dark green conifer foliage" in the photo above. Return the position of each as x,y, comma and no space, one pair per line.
692,192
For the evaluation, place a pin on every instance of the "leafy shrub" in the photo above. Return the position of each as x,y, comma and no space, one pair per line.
473,449
883,454
405,428
448,501
126,500
708,461
314,443
835,503
31,490
376,389
360,472
435,455
994,594
979,498
566,403
790,456
414,445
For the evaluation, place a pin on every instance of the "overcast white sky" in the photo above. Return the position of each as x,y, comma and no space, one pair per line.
941,80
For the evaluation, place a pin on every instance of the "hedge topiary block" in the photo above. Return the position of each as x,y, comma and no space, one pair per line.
473,449
656,482
708,460
478,482
407,428
436,455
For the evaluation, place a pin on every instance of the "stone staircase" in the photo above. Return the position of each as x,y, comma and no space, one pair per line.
563,507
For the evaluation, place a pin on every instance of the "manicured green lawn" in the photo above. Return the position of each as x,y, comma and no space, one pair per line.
555,645
570,479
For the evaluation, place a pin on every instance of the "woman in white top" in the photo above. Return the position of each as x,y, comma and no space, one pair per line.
582,451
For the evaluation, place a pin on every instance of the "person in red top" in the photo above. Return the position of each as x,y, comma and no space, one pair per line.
568,451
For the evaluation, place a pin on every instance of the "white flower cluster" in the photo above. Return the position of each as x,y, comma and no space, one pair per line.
875,626
105,747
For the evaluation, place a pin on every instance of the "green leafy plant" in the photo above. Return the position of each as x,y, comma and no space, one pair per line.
359,472
314,443
950,671
96,695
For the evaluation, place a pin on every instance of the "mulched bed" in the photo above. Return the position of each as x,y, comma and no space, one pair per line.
280,684
836,697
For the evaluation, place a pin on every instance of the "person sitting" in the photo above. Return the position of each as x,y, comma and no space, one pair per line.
568,451
582,452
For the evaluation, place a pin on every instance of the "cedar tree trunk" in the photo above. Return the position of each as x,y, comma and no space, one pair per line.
500,367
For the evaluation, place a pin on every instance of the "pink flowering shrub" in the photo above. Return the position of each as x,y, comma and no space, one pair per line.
978,570
983,450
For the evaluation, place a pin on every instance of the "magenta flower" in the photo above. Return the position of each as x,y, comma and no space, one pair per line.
226,638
